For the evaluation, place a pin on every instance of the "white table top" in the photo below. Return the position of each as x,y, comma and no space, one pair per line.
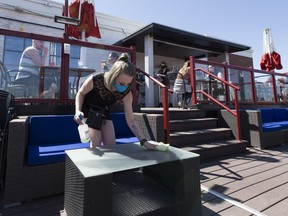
115,158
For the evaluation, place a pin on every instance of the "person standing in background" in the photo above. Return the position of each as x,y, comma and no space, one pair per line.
112,58
32,58
162,74
182,86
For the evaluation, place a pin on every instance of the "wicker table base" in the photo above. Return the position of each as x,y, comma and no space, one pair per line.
129,180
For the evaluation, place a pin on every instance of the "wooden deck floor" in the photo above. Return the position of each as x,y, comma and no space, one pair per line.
253,183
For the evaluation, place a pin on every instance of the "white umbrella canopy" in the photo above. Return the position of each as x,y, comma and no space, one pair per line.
270,59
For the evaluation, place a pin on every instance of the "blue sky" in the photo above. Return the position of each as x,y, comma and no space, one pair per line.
238,21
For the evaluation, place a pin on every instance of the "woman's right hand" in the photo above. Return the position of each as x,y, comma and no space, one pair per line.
158,146
78,117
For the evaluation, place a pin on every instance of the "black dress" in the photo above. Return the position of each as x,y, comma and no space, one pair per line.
99,99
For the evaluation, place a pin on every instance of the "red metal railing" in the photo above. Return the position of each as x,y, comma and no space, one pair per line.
235,88
164,93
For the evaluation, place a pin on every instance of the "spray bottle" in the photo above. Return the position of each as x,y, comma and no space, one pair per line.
83,131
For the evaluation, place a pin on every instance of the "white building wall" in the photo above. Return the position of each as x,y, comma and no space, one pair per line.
37,16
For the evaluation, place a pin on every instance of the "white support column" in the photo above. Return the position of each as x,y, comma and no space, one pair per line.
227,57
149,68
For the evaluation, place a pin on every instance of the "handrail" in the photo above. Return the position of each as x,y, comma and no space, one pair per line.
164,93
235,88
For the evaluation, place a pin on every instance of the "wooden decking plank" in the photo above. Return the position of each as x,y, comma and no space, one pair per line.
216,206
268,199
274,172
226,171
238,175
213,166
234,211
277,209
253,190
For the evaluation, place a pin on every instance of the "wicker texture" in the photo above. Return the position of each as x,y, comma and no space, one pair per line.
23,182
151,125
251,129
164,188
181,177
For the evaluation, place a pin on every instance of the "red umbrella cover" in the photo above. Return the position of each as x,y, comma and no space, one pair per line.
88,23
73,13
270,59
276,60
266,63
94,28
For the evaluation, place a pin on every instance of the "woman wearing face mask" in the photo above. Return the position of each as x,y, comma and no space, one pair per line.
98,93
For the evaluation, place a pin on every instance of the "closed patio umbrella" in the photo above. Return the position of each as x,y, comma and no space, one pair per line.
270,59
88,24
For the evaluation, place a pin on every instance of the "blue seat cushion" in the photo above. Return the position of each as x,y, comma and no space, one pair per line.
50,129
126,140
269,127
120,125
280,114
267,114
51,135
283,124
53,153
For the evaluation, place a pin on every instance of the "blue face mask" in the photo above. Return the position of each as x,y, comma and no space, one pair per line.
120,88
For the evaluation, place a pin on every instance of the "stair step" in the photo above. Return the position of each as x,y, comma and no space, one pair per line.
175,113
192,124
216,149
196,136
196,130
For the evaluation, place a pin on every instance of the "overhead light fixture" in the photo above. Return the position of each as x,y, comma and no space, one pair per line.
67,20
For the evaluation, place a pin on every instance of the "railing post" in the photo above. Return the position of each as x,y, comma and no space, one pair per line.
227,88
237,114
65,58
164,92
252,78
274,87
193,81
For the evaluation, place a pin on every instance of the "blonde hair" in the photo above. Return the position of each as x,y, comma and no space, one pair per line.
121,66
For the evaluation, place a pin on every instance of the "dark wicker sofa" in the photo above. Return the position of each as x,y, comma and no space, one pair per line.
25,182
261,127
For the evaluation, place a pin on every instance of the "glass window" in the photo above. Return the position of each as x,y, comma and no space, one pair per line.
55,54
13,48
74,56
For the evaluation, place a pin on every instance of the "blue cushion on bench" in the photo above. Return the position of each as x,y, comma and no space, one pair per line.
120,125
283,124
126,140
269,127
53,153
280,114
50,136
46,130
267,114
